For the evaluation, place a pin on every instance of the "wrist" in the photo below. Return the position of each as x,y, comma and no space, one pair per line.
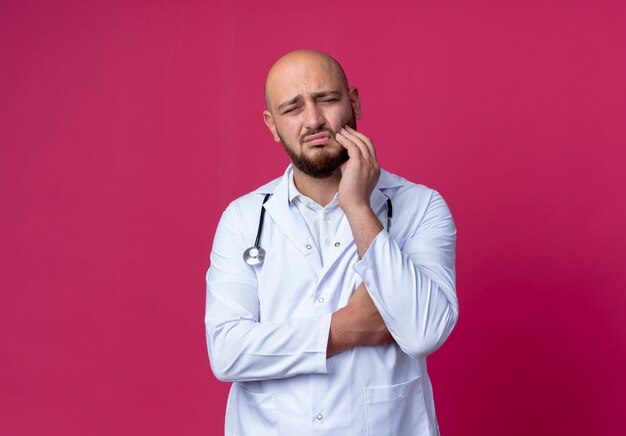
357,209
341,335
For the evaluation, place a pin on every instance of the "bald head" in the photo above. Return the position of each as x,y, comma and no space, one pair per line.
304,66
307,94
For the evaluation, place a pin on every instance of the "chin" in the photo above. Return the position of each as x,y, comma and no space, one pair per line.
322,165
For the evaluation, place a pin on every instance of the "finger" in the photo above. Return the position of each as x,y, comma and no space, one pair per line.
367,141
363,146
356,140
354,151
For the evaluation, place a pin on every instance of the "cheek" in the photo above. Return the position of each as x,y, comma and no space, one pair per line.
287,127
341,118
289,132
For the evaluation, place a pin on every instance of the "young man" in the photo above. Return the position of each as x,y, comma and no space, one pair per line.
325,325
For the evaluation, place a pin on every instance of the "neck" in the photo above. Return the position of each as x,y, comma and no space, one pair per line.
321,191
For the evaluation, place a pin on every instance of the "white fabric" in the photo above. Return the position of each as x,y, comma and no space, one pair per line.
322,221
267,325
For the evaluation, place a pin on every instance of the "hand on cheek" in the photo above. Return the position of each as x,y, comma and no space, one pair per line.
360,173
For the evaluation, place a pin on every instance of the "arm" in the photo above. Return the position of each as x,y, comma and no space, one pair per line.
358,323
240,347
413,288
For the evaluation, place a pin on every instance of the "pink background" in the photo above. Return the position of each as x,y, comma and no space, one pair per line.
126,127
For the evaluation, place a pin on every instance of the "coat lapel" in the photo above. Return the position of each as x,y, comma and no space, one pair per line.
344,233
378,201
290,222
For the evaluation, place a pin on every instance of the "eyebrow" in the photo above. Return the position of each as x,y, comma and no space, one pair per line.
319,94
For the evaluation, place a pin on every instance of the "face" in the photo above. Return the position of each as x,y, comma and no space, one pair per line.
309,104
317,158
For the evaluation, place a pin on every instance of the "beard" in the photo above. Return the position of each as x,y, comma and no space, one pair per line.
325,162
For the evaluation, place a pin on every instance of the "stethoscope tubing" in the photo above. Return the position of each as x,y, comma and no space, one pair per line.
258,233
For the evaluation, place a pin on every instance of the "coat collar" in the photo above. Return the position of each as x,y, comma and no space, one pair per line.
387,180
291,222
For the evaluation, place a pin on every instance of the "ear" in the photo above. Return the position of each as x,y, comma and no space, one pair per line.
269,122
353,92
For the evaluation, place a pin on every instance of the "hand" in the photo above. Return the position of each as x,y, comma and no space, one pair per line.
360,173
359,323
367,323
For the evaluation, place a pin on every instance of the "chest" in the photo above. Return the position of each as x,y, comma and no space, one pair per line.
295,281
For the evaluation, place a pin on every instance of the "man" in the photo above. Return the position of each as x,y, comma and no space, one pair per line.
329,334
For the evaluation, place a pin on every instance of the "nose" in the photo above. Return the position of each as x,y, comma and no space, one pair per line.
314,119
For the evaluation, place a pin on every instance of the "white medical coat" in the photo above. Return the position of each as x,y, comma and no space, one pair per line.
267,326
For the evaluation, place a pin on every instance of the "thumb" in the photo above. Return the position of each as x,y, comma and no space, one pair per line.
343,166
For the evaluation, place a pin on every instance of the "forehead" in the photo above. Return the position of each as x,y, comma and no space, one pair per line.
302,77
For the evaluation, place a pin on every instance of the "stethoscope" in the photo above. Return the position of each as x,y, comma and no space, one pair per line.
255,255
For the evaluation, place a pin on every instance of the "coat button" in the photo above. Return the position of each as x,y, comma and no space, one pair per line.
337,244
320,416
308,246
321,300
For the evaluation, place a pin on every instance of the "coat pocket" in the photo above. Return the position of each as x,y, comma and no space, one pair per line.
397,410
255,413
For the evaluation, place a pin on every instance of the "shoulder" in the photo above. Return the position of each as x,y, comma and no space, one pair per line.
253,199
404,190
414,203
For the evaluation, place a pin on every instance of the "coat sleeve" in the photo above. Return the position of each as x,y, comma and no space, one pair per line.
413,287
241,347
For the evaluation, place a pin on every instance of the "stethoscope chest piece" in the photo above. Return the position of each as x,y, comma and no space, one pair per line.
254,256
